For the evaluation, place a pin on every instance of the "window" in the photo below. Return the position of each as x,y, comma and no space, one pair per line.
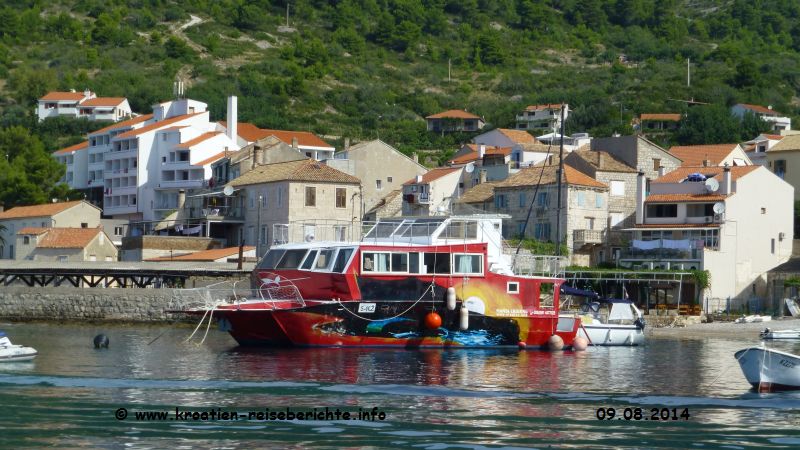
772,245
699,209
271,259
399,262
467,264
590,223
375,262
520,227
311,196
339,233
413,262
252,198
388,179
512,287
521,199
615,253
378,185
780,167
436,263
617,188
26,240
543,199
763,210
291,259
263,198
616,219
341,197
324,259
598,200
541,231
63,258
309,261
662,210
500,201
341,259
84,225
581,198
656,164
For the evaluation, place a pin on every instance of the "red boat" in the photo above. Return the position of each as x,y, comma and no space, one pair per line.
408,283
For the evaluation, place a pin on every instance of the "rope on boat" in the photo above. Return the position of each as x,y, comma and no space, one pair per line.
726,367
387,318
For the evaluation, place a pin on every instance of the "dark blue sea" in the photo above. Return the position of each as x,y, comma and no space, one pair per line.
671,393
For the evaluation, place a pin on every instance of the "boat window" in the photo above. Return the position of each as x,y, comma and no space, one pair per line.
291,259
437,263
399,262
270,260
341,259
375,262
413,262
512,287
309,261
460,229
467,264
324,259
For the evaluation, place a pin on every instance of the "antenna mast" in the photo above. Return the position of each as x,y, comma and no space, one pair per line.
560,174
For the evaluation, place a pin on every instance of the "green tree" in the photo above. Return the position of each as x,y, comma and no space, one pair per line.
752,126
28,174
713,124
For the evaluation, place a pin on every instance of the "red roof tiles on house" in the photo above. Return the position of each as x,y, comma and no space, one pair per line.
62,96
104,101
68,237
715,172
518,136
544,107
773,137
663,117
543,175
433,174
760,109
684,198
32,231
453,114
252,133
301,170
473,155
72,148
694,155
157,125
43,210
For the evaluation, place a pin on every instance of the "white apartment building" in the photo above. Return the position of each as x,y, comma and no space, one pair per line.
735,222
778,121
83,104
542,117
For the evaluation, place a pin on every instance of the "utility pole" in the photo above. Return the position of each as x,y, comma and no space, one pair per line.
688,72
560,174
258,229
448,69
287,14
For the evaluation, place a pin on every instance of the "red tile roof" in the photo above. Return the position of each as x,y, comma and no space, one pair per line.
665,117
684,198
544,106
205,255
433,174
473,155
104,101
68,237
72,148
157,125
252,133
453,114
518,136
202,138
694,155
774,137
123,124
211,159
531,176
682,172
62,96
301,170
33,230
43,210
759,109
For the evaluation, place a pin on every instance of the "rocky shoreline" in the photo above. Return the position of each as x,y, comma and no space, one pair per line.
725,329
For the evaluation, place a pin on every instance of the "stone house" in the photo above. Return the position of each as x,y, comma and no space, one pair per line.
299,201
381,168
64,244
711,155
433,193
389,206
454,120
621,180
584,206
75,214
783,159
640,153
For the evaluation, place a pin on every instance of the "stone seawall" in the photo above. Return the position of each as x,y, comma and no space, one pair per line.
96,304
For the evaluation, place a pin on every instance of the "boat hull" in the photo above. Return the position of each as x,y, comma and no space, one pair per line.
769,370
781,334
17,353
399,324
613,335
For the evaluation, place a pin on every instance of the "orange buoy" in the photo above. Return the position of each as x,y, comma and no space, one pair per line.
580,343
522,345
433,321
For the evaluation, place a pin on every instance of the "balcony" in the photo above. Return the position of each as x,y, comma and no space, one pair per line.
587,237
662,254
182,184
423,198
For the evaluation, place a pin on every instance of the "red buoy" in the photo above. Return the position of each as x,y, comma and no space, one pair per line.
433,321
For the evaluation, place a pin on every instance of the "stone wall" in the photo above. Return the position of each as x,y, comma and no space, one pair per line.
122,305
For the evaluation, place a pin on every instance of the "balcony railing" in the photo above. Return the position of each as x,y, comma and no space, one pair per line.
587,237
182,183
662,254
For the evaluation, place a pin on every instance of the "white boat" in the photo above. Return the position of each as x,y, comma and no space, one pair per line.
794,309
609,321
753,319
10,352
769,370
780,334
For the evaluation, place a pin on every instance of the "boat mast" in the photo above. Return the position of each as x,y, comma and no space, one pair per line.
558,193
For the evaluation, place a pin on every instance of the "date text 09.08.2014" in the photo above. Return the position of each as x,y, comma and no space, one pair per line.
661,414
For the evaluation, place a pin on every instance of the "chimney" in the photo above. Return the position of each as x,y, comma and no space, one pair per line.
294,143
706,162
640,193
232,125
256,155
181,198
481,150
415,157
661,171
418,179
726,181
601,159
483,176
346,144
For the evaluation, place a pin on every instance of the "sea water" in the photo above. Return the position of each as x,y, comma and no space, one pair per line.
73,395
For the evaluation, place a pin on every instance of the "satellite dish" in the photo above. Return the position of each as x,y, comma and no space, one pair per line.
712,185
469,168
719,208
228,190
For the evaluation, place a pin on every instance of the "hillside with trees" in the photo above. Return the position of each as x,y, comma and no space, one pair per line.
376,68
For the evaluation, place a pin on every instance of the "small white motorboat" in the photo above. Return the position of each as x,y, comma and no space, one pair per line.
791,304
769,370
609,321
780,334
11,353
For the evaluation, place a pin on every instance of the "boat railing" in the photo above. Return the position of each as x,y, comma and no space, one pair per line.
539,265
274,295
